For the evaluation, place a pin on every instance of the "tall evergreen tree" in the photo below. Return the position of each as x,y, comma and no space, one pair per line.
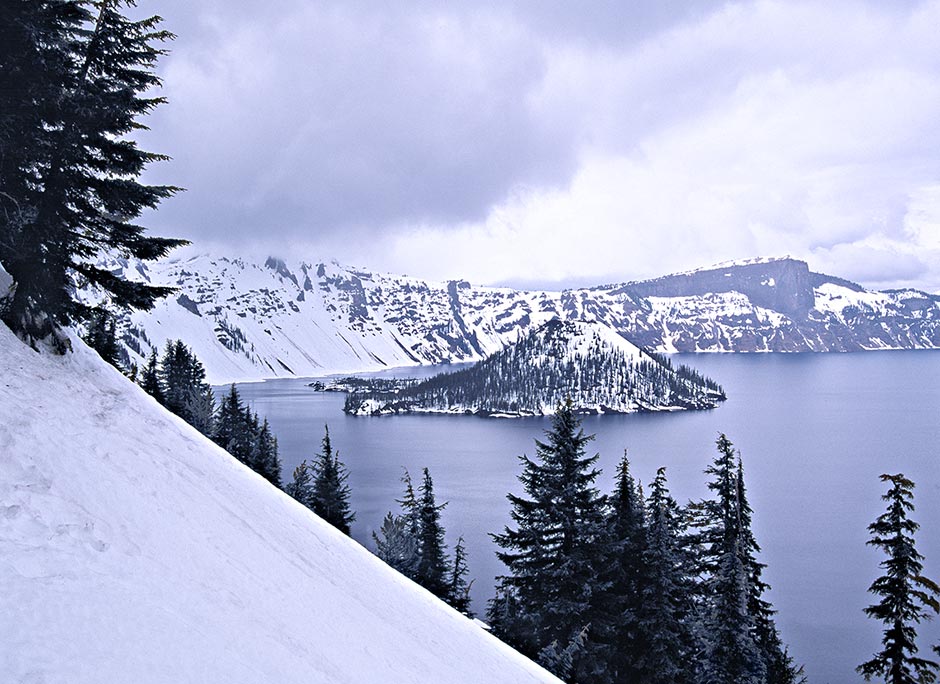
553,552
39,40
199,409
395,545
432,561
616,638
905,593
507,618
733,656
664,614
267,459
411,514
150,378
102,335
183,380
398,542
232,431
69,176
252,427
458,589
330,491
301,486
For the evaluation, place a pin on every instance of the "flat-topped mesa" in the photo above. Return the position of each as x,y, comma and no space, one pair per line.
586,363
784,284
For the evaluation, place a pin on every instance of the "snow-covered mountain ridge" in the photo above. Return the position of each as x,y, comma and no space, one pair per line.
248,320
135,550
588,364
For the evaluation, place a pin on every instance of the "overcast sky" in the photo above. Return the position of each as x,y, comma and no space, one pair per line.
548,141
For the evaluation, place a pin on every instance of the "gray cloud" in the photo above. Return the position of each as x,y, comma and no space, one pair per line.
337,117
545,141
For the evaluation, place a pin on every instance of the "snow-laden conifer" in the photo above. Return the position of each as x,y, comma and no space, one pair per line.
301,485
77,77
395,545
432,559
267,460
907,597
553,550
150,378
458,588
232,431
330,491
732,654
664,613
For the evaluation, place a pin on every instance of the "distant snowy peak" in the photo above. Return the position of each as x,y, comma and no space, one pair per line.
586,363
290,317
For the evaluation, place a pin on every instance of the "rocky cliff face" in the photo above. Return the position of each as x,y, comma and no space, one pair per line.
783,285
777,305
251,320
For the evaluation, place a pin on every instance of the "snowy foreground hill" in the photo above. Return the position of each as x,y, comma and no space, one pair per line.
134,550
588,364
248,320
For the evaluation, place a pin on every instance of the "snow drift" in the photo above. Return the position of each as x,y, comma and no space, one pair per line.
134,550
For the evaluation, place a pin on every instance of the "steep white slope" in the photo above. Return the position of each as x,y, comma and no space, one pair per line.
134,550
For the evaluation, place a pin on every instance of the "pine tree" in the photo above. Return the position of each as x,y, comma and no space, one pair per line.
663,614
506,618
268,461
395,545
38,43
232,431
432,562
733,656
905,593
102,335
696,569
458,589
552,554
301,486
69,174
252,428
330,491
183,381
199,409
411,515
623,575
150,379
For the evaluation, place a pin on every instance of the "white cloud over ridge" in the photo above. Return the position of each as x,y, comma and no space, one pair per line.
504,144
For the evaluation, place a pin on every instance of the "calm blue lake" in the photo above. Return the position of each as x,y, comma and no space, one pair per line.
815,431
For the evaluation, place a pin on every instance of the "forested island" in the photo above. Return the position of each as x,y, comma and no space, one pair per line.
584,362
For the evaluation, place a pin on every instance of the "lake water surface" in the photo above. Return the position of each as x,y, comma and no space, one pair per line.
815,431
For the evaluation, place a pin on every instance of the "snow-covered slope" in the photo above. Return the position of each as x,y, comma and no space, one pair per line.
250,320
134,550
586,363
